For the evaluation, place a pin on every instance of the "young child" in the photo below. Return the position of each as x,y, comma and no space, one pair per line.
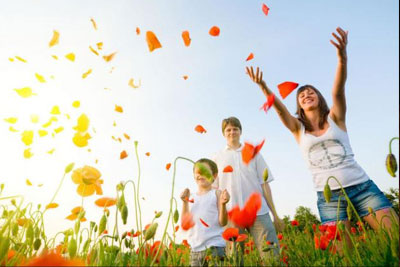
209,214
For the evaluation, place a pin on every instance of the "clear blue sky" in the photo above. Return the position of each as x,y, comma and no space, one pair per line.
291,43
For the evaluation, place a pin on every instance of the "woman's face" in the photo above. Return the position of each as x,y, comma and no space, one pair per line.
308,99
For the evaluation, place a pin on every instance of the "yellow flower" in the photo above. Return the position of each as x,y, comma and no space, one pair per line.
88,180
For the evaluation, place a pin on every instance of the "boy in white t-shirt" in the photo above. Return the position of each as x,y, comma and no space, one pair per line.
209,213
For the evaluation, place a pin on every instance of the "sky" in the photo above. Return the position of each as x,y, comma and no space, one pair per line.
290,44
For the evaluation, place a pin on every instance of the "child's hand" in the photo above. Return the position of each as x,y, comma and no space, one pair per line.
185,195
224,197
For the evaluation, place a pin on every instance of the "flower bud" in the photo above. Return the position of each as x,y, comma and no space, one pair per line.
327,193
176,216
126,243
69,167
124,214
72,247
37,243
102,224
349,212
151,231
124,235
158,214
121,202
265,174
391,164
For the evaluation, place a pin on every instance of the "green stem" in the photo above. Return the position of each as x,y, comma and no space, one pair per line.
58,189
138,187
390,144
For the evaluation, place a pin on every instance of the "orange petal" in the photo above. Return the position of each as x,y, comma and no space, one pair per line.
286,88
147,154
228,169
105,202
72,217
85,190
214,31
123,155
186,38
152,41
109,57
168,166
127,136
118,109
200,129
84,75
77,210
51,206
185,77
137,30
250,57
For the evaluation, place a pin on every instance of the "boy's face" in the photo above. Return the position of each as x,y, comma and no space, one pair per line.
232,134
201,180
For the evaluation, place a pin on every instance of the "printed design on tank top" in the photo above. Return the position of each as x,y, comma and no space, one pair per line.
327,154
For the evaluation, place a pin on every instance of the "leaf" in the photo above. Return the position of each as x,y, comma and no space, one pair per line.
152,41
40,78
11,120
214,31
84,75
118,109
131,83
27,153
265,9
76,104
200,129
228,169
250,57
28,182
270,101
70,56
286,88
137,31
54,40
93,23
93,50
21,59
109,57
24,92
186,38
99,45
123,155
55,110
27,137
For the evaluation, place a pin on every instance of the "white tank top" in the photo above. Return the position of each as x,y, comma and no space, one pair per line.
331,155
205,208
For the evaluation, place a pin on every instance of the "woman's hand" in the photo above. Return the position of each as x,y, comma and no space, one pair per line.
341,42
256,77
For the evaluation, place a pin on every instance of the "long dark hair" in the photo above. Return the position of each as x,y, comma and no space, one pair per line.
322,107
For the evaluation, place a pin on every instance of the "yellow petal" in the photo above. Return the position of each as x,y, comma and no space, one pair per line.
40,185
54,39
55,57
85,190
109,57
80,139
59,129
114,124
53,118
20,59
94,23
27,137
119,109
51,151
12,129
25,92
11,59
51,206
55,110
131,84
27,153
86,73
70,56
83,123
67,115
76,104
11,120
28,182
94,51
34,118
47,124
42,133
100,45
40,78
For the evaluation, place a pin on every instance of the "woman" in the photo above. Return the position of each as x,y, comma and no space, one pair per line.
322,136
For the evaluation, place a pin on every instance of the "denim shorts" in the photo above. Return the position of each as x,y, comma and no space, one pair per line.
362,196
198,258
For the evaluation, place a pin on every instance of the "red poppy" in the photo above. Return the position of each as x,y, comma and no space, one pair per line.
331,231
200,129
53,259
187,221
186,38
265,9
232,234
246,217
270,101
168,166
280,236
286,88
204,223
136,234
228,169
250,57
214,31
321,243
249,151
268,242
314,227
176,228
353,230
294,223
322,228
285,259
185,243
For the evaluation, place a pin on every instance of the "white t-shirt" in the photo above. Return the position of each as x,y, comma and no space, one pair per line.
244,180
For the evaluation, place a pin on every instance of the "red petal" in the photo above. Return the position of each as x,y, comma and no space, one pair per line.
250,57
204,223
249,151
214,31
168,166
286,88
200,129
187,221
228,169
265,9
270,101
241,238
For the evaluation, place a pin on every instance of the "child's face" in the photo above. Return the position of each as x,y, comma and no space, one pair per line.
200,180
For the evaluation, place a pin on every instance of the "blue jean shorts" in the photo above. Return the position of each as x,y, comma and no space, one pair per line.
362,196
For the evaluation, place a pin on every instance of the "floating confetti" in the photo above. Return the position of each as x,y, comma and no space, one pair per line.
11,59
152,41
250,57
47,124
70,56
185,77
204,223
200,129
286,88
55,57
214,31
51,206
168,166
40,78
42,133
34,118
147,154
127,136
82,123
51,151
186,38
109,57
81,139
28,182
59,129
86,73
12,129
54,40
25,92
